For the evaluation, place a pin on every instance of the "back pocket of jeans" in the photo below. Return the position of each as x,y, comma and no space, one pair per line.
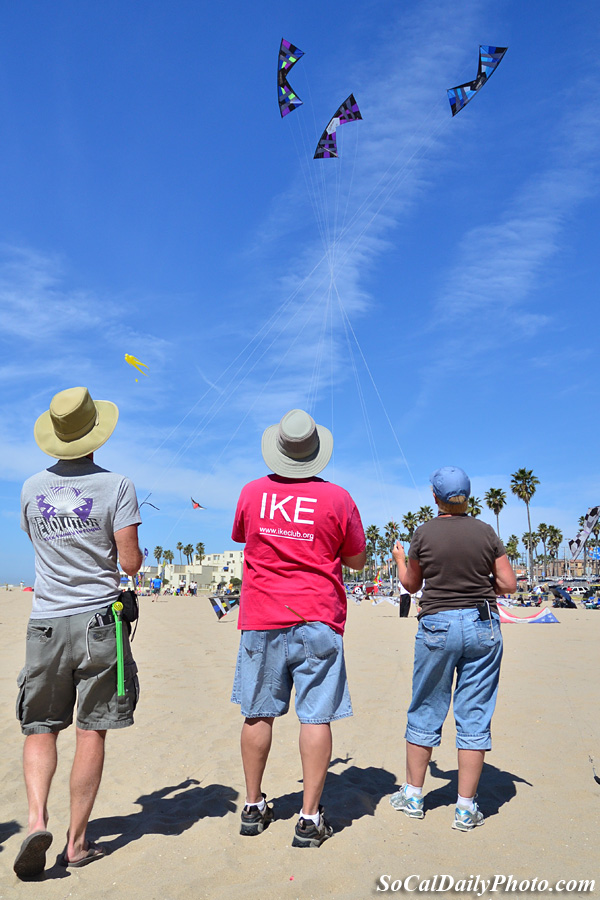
435,633
320,641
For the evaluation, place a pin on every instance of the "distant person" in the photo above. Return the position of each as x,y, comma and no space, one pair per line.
156,586
404,609
80,519
459,633
299,530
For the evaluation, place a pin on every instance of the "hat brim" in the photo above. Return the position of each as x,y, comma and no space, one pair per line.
46,439
287,467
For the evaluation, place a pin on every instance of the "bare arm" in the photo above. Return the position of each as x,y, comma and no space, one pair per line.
130,555
355,562
504,577
409,571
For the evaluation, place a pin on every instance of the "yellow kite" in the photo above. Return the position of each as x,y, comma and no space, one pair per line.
134,361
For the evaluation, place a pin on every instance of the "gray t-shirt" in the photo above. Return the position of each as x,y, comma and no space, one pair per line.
71,512
456,555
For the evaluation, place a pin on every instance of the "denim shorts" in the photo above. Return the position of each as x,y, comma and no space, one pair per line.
309,657
70,660
447,642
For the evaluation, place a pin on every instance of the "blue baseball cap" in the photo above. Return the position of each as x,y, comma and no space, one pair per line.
450,482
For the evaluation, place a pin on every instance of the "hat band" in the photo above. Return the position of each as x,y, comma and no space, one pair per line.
303,449
69,436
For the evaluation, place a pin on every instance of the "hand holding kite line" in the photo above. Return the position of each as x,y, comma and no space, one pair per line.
134,361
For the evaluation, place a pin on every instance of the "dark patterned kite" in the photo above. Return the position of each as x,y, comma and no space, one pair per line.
589,522
288,56
348,112
196,505
489,57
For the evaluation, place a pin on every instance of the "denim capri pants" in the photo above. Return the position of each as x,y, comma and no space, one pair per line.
447,642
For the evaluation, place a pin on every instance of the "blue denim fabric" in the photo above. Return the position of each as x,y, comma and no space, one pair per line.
448,642
309,657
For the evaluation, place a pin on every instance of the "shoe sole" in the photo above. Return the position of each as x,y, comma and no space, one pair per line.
412,814
459,826
310,842
251,829
31,858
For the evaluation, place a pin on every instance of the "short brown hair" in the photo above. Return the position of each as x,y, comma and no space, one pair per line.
457,508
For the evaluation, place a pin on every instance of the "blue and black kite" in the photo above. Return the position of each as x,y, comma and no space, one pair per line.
288,56
348,112
489,58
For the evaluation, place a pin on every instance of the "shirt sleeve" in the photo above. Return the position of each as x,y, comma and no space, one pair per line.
499,548
238,533
354,540
24,522
127,511
413,550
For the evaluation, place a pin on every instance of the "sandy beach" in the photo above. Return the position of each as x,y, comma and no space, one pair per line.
168,808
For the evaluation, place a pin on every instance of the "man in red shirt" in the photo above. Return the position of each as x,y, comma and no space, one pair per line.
298,531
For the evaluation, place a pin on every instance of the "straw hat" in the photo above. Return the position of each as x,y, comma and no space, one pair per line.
297,447
75,425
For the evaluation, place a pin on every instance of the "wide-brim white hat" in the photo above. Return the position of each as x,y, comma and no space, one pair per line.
75,425
297,447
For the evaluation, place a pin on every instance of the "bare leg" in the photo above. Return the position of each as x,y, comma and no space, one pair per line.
85,781
315,752
470,764
256,743
417,760
39,766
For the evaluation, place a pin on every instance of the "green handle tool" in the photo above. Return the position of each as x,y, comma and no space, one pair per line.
117,609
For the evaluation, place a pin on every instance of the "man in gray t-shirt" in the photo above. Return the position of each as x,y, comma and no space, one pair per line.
80,519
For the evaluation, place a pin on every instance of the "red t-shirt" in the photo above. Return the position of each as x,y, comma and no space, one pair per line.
296,533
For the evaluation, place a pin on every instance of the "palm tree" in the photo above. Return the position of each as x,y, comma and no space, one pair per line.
425,514
168,556
410,522
383,551
474,507
200,554
180,548
158,552
496,501
544,533
531,539
512,548
523,484
372,538
555,539
188,551
392,534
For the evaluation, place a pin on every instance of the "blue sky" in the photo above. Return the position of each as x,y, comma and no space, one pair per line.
431,295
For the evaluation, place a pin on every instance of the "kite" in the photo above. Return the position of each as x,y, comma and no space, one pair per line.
348,112
589,522
489,58
148,504
135,362
196,505
542,617
288,57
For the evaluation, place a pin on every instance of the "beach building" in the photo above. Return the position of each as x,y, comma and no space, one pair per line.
216,569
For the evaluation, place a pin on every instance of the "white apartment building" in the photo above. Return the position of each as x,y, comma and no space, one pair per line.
216,569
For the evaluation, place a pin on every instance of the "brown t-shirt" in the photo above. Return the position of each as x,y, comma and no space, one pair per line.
456,555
